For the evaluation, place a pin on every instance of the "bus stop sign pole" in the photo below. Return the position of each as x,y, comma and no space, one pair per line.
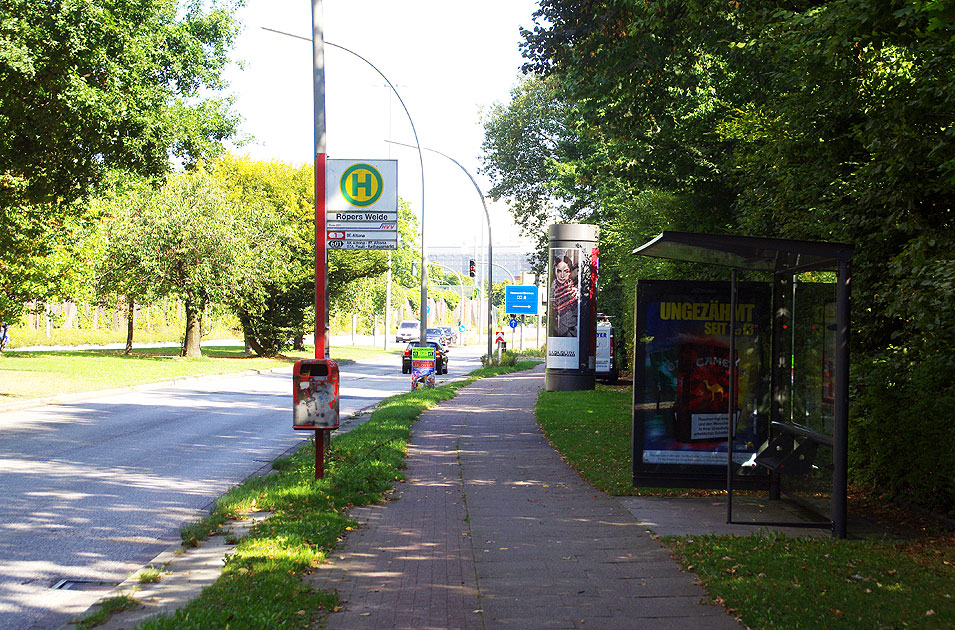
318,79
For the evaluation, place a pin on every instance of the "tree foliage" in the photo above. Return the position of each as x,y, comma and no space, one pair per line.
184,240
276,201
809,119
89,86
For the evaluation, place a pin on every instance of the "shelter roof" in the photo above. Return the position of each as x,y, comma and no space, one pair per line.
748,252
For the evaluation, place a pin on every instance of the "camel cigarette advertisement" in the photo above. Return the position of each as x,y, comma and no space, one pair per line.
563,343
682,365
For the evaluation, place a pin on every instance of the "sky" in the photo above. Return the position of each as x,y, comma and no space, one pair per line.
448,59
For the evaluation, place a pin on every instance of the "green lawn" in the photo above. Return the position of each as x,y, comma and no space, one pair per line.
26,375
768,580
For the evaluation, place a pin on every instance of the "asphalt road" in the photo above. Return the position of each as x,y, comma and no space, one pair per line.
91,491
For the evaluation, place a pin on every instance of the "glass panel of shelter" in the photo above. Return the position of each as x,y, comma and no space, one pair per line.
804,378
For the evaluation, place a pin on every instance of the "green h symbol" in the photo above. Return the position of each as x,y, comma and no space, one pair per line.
363,184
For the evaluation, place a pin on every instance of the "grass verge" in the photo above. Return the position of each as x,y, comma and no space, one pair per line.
106,609
27,375
592,430
768,580
262,584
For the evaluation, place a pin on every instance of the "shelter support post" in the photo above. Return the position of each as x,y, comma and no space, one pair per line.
840,434
734,299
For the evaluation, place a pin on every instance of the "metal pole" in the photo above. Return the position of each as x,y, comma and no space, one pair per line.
388,302
840,432
321,286
734,298
319,453
490,256
318,81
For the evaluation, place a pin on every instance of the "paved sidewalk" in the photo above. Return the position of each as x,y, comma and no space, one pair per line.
493,530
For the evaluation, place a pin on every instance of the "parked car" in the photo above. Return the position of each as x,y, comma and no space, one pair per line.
440,356
408,330
437,334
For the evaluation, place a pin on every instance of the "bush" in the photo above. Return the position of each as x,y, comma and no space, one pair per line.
902,441
508,359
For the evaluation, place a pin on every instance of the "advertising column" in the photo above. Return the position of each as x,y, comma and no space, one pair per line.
571,307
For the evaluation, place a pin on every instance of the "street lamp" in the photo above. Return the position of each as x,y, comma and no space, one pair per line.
507,271
487,215
317,41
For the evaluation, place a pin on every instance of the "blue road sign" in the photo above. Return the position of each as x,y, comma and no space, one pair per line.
512,323
520,299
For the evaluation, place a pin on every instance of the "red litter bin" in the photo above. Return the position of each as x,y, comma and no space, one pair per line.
315,394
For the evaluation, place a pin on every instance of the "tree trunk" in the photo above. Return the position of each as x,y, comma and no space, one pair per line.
131,309
190,347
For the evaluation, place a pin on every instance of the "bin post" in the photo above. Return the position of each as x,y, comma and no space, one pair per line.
319,454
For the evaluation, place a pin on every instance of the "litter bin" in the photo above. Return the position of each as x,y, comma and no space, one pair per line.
315,394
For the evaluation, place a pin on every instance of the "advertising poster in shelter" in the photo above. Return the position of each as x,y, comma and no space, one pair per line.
563,331
681,383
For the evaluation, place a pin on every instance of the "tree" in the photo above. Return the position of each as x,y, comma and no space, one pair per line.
529,147
185,240
89,86
822,119
118,234
276,200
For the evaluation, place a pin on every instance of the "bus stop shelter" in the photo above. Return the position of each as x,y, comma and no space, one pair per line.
794,440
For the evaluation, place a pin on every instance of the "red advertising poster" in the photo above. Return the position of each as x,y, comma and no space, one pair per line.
702,392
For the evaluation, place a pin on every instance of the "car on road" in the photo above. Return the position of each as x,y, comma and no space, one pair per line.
408,330
437,334
440,356
451,334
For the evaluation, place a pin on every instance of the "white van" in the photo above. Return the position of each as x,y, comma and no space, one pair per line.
606,361
409,330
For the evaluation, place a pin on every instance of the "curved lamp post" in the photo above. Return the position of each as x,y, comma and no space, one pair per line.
321,145
490,262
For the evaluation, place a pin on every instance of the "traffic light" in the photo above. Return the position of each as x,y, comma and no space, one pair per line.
472,270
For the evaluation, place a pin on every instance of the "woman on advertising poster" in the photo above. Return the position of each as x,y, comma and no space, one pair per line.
565,293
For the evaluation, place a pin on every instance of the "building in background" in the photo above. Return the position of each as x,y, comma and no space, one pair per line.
513,258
